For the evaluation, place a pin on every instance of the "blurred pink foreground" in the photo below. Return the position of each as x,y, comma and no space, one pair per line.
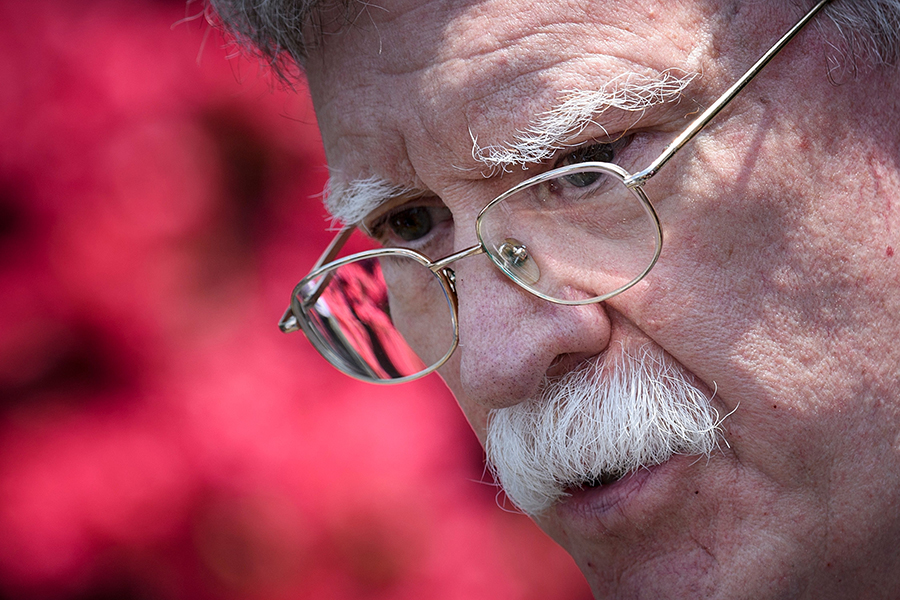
159,438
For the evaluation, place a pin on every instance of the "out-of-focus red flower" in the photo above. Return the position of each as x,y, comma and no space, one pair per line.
159,438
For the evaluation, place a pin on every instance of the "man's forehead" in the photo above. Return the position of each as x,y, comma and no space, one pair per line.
428,83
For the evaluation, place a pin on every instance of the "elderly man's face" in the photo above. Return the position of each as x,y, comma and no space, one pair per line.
771,296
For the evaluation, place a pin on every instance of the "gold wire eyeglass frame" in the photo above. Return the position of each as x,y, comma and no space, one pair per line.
294,318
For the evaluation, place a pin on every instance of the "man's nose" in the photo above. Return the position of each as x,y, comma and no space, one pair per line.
510,339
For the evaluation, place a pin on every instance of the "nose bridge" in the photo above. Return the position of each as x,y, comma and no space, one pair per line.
509,338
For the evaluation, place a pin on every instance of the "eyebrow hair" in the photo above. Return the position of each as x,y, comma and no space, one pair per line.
556,128
350,201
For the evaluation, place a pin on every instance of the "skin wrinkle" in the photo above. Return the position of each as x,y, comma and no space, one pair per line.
531,68
457,38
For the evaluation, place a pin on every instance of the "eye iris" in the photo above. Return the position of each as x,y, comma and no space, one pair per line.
412,223
582,179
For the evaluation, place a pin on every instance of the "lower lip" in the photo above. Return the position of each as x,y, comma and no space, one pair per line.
603,501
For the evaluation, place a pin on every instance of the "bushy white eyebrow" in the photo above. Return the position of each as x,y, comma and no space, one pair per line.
556,128
350,201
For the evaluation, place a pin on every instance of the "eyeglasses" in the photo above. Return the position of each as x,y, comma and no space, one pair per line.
574,235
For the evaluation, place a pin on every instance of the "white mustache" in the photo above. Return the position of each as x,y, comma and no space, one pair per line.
606,419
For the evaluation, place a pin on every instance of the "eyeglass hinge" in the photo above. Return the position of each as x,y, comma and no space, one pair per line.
288,322
450,274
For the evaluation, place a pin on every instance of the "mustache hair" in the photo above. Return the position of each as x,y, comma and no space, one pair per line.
596,424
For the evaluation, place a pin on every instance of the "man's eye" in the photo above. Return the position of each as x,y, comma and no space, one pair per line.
605,153
416,223
410,224
583,179
600,152
593,153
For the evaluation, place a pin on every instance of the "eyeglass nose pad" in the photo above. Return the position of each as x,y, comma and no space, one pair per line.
518,261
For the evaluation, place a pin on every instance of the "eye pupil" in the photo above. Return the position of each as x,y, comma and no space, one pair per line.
583,179
412,223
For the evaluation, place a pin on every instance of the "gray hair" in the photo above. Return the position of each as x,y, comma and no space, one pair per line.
284,31
869,29
280,31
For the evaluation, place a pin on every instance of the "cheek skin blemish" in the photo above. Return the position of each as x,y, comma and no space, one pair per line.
890,251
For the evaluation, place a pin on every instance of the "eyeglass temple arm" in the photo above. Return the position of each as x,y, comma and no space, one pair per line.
714,109
288,322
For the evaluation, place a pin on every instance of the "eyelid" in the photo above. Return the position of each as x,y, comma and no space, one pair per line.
617,143
386,208
379,217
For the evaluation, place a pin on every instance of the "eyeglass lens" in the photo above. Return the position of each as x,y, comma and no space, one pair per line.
379,319
575,238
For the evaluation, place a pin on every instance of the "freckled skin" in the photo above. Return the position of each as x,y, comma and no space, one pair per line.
774,289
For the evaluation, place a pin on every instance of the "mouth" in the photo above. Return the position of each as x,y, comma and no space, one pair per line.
598,480
603,494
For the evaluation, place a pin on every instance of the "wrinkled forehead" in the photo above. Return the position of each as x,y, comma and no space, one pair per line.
408,83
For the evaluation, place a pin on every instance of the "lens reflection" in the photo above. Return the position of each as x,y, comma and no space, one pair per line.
383,318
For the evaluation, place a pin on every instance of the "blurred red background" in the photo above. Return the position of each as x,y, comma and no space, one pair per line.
159,438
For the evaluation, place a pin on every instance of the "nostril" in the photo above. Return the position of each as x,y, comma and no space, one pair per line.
564,363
